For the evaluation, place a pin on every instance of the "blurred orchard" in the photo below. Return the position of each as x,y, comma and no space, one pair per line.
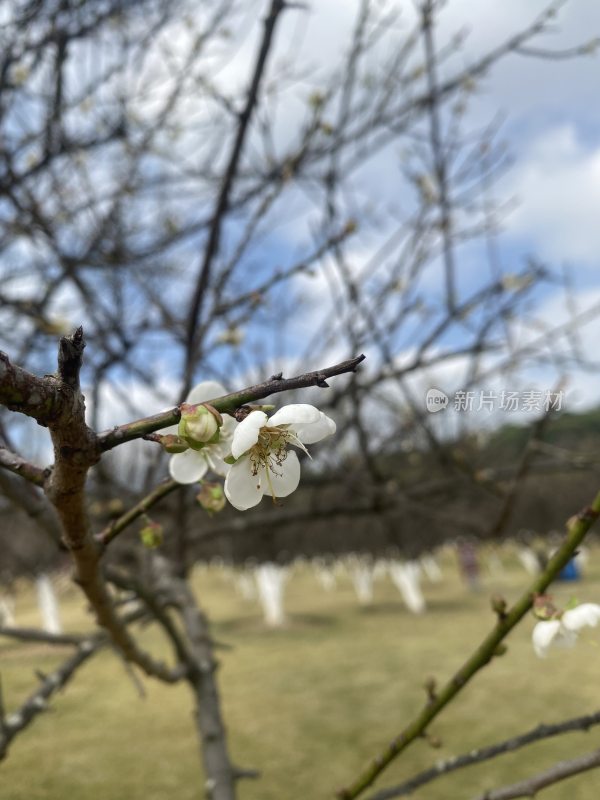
264,316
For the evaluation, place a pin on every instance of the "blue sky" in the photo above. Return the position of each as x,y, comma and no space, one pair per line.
551,131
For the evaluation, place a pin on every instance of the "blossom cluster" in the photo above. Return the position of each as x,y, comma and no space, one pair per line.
253,455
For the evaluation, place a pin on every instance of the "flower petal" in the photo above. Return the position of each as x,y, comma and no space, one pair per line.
581,616
207,390
246,434
285,480
544,635
229,425
242,488
245,490
296,413
551,633
215,455
188,467
314,431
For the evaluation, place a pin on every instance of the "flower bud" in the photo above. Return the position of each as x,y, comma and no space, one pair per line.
174,444
544,608
115,507
499,606
199,424
211,497
151,534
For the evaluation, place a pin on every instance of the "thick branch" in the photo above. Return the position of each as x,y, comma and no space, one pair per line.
220,772
22,391
577,529
227,403
194,647
75,451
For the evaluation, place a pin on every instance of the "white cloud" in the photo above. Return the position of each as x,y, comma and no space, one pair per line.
558,188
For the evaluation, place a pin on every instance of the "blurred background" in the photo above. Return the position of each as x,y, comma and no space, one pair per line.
227,190
221,192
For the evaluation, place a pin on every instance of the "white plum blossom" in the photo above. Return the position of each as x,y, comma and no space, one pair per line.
264,463
191,465
563,631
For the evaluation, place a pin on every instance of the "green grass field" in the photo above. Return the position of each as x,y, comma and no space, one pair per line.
310,704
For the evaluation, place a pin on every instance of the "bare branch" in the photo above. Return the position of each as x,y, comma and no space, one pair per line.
453,763
36,635
542,780
14,723
21,391
14,463
221,206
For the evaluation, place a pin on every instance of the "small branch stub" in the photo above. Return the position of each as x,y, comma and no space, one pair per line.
70,358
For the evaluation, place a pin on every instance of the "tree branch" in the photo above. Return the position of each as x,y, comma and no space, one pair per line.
111,531
19,466
36,635
70,358
14,723
75,451
222,203
22,391
227,403
557,772
577,529
453,763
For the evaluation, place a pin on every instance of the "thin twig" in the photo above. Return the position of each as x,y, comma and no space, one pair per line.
37,702
36,635
19,466
453,763
222,202
557,772
111,531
